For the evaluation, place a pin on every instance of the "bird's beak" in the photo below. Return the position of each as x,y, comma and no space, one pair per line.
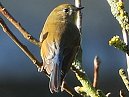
79,8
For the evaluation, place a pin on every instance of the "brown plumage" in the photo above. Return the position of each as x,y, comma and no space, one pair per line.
60,42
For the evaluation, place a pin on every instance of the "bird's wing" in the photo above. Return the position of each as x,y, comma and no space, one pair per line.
43,36
51,64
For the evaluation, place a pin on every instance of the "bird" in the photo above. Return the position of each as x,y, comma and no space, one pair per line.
60,41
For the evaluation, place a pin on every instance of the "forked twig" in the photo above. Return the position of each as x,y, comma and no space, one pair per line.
18,26
18,43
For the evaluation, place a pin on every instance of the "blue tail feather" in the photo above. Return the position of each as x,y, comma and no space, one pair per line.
55,79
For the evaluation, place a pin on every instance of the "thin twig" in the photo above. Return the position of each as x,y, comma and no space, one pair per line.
18,26
19,44
70,91
122,93
108,94
96,71
126,38
79,15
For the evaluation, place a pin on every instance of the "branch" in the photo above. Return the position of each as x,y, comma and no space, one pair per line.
118,11
19,44
124,78
96,71
119,44
87,89
18,26
79,15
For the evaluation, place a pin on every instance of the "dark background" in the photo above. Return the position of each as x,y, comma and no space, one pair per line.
18,75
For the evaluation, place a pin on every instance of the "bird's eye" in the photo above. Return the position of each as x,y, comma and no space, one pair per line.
66,10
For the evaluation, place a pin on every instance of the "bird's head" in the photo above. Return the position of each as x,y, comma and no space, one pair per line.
65,12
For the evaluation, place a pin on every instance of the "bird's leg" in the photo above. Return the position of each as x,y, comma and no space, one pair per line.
41,68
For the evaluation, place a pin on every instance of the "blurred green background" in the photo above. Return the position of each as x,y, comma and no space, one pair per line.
18,75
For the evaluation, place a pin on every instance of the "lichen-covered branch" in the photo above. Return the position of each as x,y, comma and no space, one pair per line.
118,11
124,78
86,89
26,35
119,44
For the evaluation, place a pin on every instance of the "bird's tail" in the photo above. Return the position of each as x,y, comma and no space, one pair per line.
55,79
